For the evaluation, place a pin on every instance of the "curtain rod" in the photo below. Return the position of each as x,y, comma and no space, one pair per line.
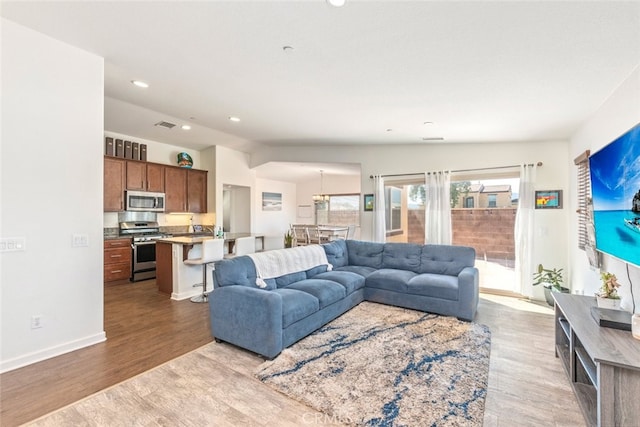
462,170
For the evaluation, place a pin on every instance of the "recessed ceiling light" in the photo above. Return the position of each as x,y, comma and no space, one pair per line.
234,119
140,83
185,127
389,130
336,3
427,123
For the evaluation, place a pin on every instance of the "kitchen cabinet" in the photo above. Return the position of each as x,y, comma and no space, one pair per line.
117,260
145,176
136,176
196,191
185,190
155,177
114,184
175,188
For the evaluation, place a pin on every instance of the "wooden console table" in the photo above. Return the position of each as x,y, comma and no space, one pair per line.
603,364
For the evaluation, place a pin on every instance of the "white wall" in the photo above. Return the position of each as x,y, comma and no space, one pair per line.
275,223
617,115
51,188
550,247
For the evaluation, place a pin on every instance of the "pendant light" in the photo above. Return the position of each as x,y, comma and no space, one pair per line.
321,197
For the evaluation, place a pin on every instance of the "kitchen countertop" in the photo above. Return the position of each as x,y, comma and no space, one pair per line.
194,238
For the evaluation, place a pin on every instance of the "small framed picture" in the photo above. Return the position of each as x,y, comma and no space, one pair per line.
368,202
549,199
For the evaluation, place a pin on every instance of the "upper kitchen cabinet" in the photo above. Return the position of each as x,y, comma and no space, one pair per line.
196,191
175,188
115,173
145,176
185,190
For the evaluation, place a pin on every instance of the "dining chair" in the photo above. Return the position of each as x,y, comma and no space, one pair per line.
300,235
315,236
351,231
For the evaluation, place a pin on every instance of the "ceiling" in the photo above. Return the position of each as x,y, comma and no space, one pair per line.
370,72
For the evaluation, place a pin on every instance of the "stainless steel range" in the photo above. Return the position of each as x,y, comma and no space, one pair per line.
144,230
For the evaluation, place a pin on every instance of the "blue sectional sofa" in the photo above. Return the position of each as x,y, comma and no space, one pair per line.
440,279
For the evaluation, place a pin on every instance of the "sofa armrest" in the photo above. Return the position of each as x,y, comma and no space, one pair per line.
468,286
248,317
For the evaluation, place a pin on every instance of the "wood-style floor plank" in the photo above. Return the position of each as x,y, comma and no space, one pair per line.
144,329
527,385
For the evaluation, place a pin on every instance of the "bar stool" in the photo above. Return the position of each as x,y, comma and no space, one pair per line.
212,250
243,246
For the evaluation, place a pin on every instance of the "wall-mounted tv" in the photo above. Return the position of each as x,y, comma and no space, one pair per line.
615,188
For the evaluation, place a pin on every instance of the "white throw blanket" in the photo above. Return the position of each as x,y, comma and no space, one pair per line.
278,262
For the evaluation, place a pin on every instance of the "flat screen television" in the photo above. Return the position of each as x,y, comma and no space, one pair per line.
615,189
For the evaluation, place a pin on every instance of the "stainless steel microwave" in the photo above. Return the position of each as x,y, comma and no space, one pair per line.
145,201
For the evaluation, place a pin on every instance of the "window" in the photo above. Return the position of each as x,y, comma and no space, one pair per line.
584,192
341,209
493,200
469,202
393,208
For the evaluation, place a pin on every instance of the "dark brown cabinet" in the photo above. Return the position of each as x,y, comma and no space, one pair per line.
175,188
155,177
185,189
115,173
196,191
136,176
117,260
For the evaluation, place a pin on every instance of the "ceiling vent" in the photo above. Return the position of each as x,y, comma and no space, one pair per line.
165,124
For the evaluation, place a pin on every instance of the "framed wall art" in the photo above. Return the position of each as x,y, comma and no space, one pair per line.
368,202
549,199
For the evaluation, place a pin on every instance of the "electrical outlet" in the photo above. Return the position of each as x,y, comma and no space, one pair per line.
80,241
12,244
36,321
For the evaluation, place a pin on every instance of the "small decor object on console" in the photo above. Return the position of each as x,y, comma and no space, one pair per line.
608,295
185,160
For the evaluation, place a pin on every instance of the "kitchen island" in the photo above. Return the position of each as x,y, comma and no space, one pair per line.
177,279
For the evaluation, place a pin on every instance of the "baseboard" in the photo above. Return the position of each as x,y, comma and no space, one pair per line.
185,295
48,353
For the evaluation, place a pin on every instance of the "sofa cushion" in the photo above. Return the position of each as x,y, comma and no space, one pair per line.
287,279
296,305
336,253
445,259
402,256
390,279
351,281
315,270
367,254
235,271
358,269
434,285
326,291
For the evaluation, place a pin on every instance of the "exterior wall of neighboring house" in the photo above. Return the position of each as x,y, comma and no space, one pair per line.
484,195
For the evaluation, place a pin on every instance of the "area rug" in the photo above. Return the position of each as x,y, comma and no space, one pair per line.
378,365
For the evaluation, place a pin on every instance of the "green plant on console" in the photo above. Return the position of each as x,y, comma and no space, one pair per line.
288,239
551,280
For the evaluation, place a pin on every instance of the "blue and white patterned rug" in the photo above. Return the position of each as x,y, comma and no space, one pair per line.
378,365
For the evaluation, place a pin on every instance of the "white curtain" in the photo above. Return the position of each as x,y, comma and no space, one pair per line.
379,225
523,233
437,228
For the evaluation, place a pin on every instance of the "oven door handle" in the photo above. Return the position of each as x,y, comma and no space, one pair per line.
150,242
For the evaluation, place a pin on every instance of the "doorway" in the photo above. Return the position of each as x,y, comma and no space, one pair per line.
236,209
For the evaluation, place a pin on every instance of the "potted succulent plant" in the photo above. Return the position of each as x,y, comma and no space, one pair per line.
288,239
608,296
551,280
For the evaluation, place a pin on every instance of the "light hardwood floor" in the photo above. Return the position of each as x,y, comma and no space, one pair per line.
527,385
